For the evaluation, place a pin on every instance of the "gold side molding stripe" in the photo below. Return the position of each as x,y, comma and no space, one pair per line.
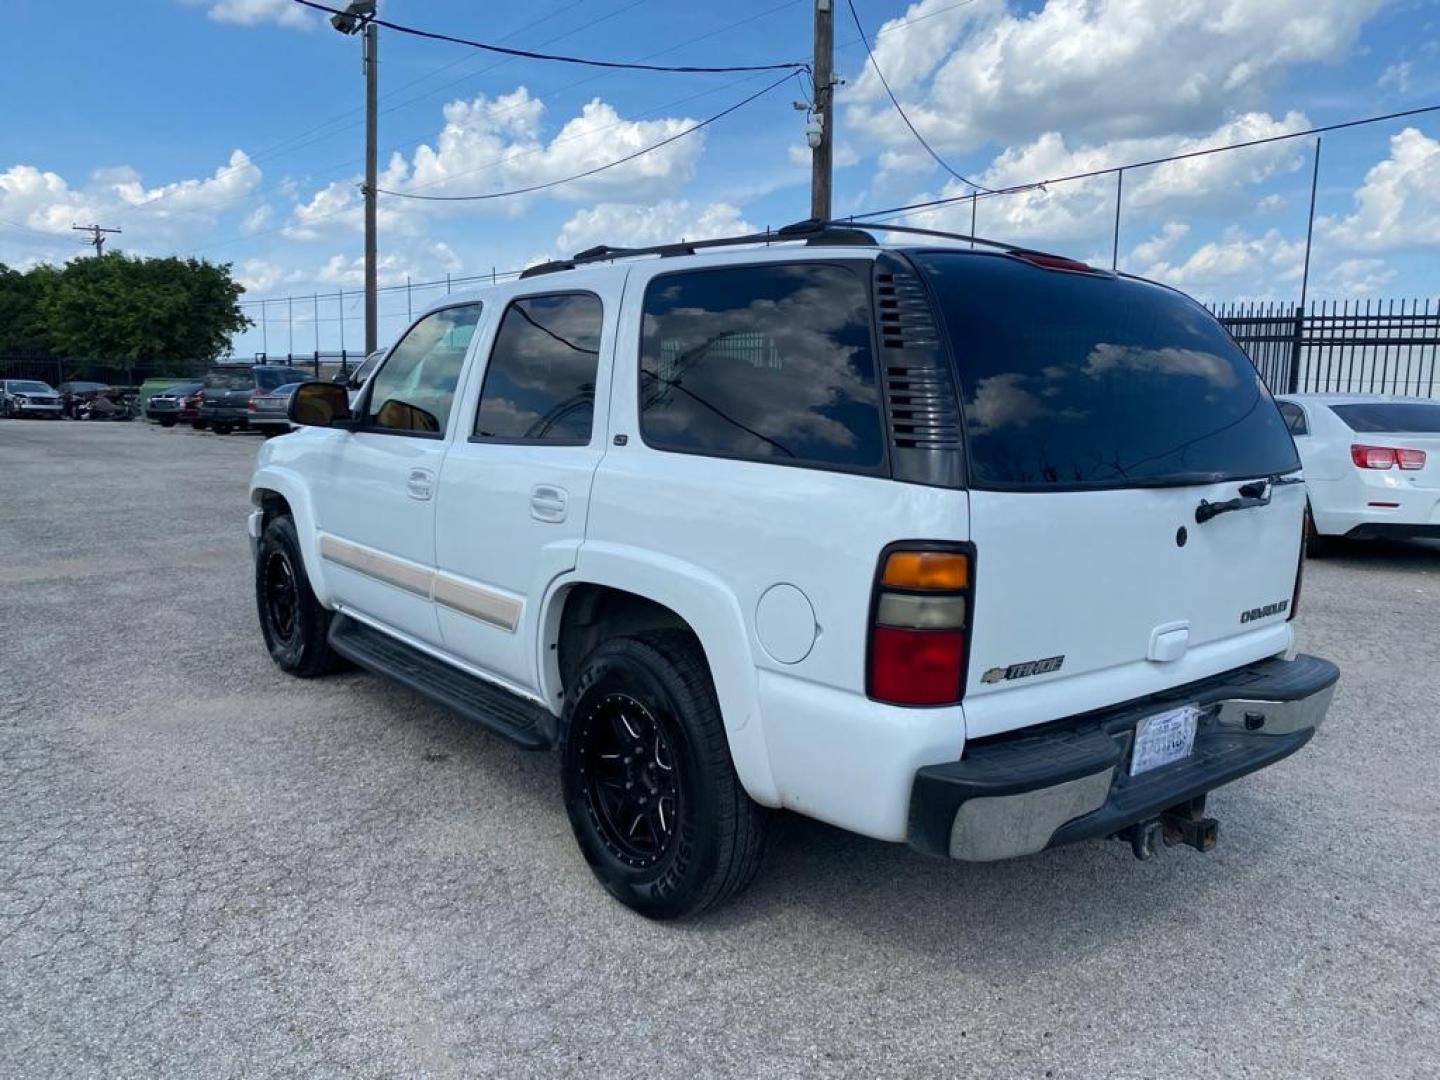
455,593
477,601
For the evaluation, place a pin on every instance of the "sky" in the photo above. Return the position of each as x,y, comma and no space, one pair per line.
232,130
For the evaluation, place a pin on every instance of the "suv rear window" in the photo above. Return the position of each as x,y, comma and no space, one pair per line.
768,363
1073,380
1411,417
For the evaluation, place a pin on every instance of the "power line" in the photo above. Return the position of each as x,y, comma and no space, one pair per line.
896,102
599,168
414,142
949,200
301,139
529,54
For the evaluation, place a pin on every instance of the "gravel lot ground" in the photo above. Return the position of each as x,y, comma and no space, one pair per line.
210,869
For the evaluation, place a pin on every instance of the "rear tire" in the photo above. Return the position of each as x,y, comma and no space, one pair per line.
650,787
292,621
223,429
167,423
199,425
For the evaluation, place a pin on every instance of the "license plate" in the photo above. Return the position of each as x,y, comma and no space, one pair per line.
1163,738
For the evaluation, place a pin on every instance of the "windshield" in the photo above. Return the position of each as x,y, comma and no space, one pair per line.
270,378
1378,417
24,386
1072,380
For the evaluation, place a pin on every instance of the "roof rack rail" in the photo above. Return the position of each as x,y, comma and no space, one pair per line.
1013,249
813,231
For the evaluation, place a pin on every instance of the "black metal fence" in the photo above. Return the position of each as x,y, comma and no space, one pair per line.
1341,347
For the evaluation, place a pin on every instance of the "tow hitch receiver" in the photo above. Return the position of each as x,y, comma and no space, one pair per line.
1183,824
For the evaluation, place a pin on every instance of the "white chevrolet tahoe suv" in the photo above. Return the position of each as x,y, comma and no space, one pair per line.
982,551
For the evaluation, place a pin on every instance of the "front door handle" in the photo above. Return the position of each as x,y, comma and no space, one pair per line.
419,483
547,503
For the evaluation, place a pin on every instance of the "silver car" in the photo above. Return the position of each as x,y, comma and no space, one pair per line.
28,397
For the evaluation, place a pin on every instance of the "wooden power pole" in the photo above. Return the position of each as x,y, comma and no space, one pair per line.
822,144
97,235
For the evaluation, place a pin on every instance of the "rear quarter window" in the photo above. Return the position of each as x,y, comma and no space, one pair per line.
1379,417
768,363
1073,381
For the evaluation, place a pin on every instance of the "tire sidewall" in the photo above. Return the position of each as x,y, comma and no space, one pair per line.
669,887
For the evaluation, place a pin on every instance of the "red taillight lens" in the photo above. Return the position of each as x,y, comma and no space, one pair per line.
1372,457
1384,457
916,667
918,637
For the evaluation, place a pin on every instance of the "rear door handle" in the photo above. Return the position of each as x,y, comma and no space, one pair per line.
547,503
419,483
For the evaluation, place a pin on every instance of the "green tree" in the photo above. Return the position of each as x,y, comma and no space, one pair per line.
161,314
21,328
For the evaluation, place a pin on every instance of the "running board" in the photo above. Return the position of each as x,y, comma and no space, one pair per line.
518,719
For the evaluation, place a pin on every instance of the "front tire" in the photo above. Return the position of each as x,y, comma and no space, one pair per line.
222,428
650,787
292,621
167,423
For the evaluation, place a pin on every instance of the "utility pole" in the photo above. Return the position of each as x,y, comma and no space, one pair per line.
372,316
97,238
359,18
822,142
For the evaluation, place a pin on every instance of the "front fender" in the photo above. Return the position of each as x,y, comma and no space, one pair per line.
289,485
712,611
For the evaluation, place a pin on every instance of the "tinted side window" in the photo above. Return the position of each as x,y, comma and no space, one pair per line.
1294,418
772,363
540,382
416,387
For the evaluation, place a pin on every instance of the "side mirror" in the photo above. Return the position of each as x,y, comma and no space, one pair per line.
319,404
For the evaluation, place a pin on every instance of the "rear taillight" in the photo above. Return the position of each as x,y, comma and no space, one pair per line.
919,624
1385,457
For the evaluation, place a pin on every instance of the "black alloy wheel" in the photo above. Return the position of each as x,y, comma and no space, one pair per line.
280,597
632,789
650,787
293,622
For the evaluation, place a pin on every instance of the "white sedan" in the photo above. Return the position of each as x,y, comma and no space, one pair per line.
1372,463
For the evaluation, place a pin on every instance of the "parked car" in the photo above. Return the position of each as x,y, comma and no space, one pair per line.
270,411
1372,464
28,397
167,408
227,391
76,392
985,552
355,379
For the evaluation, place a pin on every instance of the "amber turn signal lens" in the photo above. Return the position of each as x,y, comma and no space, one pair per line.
937,570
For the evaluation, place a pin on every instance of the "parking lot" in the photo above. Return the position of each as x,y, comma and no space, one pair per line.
210,869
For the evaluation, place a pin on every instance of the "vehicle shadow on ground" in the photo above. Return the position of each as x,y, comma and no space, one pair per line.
1036,913
1378,554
